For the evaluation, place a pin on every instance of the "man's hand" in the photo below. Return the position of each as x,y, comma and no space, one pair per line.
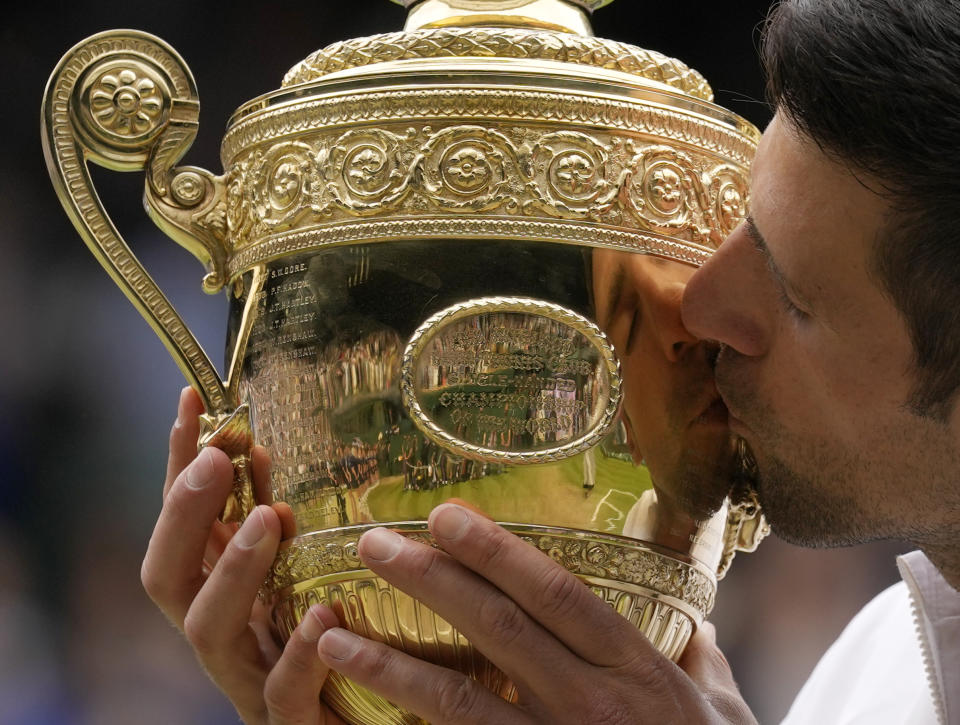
204,575
572,657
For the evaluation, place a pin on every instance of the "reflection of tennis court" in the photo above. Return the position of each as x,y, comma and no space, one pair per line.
543,494
611,510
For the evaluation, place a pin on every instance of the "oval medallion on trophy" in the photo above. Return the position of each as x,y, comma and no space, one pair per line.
511,380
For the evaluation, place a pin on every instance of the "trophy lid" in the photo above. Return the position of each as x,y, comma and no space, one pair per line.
533,32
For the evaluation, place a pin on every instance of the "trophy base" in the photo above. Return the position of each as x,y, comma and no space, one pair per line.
663,595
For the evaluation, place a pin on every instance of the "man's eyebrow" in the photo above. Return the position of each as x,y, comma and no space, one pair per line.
761,245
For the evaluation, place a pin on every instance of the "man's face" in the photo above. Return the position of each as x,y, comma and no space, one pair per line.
675,419
817,363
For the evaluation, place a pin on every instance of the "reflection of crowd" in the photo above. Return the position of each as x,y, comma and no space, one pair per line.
355,465
368,366
427,466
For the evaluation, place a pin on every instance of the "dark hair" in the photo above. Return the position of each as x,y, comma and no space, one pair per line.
876,85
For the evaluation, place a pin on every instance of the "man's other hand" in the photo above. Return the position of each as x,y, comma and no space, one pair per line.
204,575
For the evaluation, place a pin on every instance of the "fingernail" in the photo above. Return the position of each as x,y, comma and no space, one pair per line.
252,530
449,522
339,643
311,627
200,470
381,544
179,421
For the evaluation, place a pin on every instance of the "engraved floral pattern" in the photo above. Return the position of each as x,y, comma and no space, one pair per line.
283,179
236,213
363,169
572,174
666,193
729,193
465,169
188,188
664,189
126,102
468,167
366,171
730,206
286,182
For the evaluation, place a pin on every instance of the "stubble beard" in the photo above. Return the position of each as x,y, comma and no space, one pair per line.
807,488
802,510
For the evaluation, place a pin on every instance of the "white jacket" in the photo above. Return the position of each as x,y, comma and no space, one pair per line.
896,663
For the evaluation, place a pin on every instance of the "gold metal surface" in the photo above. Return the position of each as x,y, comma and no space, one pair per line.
454,257
127,101
493,42
553,15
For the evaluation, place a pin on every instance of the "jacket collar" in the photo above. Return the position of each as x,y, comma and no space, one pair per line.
936,606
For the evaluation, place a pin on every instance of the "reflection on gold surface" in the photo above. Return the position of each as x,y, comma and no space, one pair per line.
675,421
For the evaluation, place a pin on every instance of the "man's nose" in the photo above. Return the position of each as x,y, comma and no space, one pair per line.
725,301
671,336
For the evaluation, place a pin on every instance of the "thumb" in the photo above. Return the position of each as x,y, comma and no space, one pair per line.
705,664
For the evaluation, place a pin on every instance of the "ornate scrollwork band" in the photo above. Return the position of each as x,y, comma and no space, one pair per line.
490,105
591,556
320,186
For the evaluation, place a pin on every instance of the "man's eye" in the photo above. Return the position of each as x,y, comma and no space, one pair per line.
790,307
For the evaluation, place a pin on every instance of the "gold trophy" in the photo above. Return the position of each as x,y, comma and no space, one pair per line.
454,257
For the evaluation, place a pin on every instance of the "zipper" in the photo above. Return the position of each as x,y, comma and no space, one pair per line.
926,651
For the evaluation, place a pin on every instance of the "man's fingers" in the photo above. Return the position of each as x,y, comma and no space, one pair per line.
496,626
171,571
703,661
544,589
288,521
705,664
218,622
292,690
183,435
438,695
220,612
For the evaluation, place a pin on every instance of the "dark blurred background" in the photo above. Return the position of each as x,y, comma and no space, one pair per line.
87,393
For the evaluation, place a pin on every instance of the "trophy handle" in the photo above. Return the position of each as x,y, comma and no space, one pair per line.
127,101
746,528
